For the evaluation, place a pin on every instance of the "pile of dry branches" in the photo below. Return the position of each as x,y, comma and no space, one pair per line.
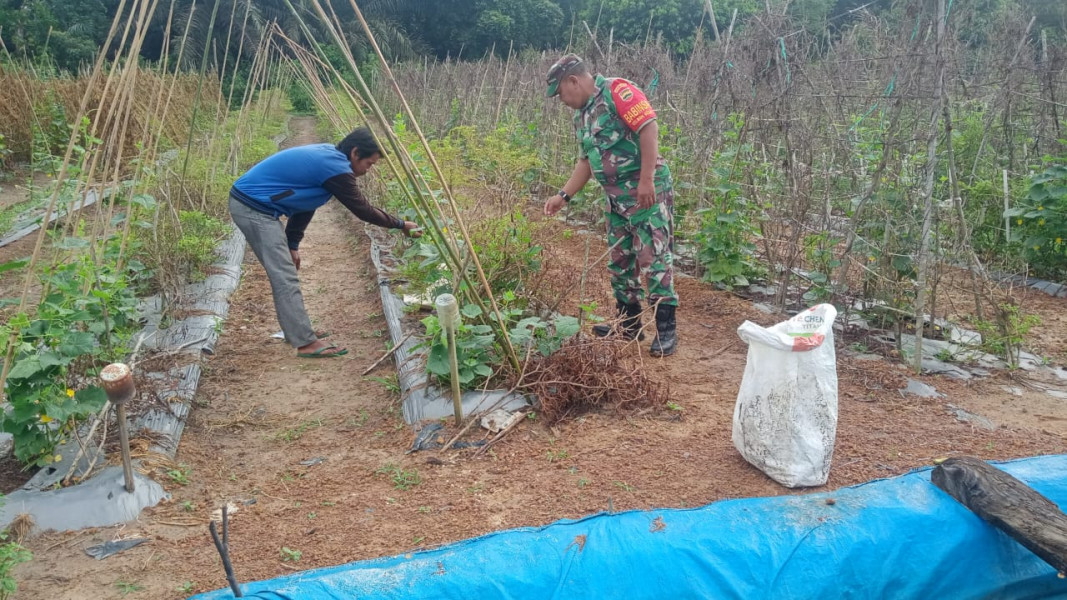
593,374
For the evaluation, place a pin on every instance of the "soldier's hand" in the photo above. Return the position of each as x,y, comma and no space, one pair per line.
296,258
646,194
553,204
411,229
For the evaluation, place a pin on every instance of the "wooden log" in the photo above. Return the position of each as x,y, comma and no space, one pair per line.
1007,504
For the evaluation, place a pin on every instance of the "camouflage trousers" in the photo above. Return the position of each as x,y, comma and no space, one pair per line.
642,247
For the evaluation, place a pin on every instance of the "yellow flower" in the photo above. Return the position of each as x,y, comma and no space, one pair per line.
1040,208
871,259
1059,241
57,458
1040,221
70,393
1037,247
46,419
1018,221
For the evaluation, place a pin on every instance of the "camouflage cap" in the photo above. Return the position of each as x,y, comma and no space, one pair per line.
560,70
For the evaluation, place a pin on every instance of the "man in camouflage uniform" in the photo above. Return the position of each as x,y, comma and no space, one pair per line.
618,145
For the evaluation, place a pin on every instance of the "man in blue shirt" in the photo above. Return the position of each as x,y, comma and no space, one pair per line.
294,183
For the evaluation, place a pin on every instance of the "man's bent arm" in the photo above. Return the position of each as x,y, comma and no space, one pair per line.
345,189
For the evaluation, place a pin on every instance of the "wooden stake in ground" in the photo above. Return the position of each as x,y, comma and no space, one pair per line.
223,546
1007,504
117,381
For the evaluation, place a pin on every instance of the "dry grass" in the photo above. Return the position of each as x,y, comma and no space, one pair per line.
25,98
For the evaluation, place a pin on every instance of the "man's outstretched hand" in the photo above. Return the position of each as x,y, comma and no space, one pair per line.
412,230
553,204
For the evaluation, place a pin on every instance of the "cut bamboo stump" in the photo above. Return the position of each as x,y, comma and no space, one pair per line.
1007,504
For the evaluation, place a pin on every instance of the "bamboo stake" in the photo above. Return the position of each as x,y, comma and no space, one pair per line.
503,86
152,151
126,112
491,55
714,24
96,129
199,91
166,111
506,341
220,113
928,194
1007,207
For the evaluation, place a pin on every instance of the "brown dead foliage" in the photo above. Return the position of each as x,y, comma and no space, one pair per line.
593,374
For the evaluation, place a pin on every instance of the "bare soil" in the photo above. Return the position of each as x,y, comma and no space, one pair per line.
262,412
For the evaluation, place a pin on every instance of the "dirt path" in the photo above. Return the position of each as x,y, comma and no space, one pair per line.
263,413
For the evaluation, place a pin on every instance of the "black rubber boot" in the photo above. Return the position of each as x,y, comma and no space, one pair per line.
666,331
628,325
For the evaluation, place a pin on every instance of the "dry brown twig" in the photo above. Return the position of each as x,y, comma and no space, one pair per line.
387,354
593,374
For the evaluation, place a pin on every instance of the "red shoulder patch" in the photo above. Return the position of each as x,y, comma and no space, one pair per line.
631,104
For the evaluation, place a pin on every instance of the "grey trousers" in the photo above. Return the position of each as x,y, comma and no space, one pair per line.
266,236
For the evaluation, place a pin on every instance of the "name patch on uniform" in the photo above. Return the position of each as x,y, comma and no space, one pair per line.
632,106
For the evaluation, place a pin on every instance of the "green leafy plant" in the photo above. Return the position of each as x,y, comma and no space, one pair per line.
179,475
402,479
1040,222
12,554
201,234
50,134
506,249
127,587
557,455
79,326
290,555
728,227
187,587
300,99
389,382
477,350
822,261
295,433
474,349
360,420
1005,333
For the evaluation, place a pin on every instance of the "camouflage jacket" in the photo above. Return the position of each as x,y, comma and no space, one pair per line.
608,128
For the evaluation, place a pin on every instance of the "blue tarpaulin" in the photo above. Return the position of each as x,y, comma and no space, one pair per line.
892,538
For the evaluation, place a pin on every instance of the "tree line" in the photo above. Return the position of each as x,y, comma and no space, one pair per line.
66,34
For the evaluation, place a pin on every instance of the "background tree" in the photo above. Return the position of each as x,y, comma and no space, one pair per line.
66,33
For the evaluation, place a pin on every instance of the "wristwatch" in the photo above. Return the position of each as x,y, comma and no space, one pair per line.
562,194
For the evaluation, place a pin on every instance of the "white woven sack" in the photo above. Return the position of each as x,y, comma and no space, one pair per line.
785,419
